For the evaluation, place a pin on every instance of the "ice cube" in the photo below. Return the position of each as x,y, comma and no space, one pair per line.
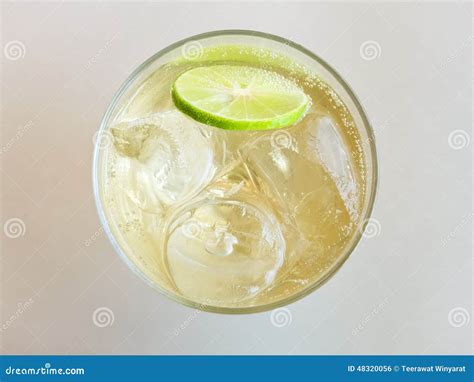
326,146
129,136
233,242
171,159
287,169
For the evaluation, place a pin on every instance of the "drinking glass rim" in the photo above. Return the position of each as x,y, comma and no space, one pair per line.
341,260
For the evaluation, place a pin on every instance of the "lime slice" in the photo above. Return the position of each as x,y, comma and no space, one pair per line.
239,97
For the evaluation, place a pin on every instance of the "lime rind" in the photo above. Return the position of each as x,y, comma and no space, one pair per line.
239,97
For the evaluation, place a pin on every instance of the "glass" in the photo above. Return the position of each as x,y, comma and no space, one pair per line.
287,54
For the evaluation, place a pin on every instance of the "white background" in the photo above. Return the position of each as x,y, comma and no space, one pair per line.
407,289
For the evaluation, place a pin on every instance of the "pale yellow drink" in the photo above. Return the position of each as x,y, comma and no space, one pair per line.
232,218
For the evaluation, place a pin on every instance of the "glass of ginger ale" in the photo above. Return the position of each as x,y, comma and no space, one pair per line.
235,171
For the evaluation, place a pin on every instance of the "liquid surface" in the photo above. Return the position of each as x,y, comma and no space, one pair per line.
232,218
